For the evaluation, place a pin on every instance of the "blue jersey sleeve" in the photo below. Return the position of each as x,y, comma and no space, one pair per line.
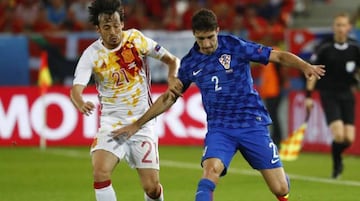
183,76
255,52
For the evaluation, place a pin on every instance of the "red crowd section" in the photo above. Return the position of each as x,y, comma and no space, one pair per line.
256,17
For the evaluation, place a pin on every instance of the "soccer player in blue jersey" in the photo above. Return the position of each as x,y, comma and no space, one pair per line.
237,119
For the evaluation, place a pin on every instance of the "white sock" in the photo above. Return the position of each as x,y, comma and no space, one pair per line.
160,198
105,194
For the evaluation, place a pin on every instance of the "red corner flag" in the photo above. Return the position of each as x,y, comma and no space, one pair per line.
44,79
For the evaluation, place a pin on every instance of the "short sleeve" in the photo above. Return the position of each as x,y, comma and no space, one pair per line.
255,52
83,69
184,76
148,46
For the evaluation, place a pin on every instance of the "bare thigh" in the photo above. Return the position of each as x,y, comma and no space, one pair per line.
103,163
342,133
276,180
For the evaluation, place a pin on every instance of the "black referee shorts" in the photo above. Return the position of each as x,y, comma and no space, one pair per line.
338,105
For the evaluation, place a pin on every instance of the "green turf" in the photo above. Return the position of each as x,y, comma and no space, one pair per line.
64,174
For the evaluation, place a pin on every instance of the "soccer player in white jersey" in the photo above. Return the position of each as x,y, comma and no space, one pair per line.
117,62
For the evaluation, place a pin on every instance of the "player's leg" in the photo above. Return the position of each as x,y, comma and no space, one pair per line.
332,107
262,154
349,133
149,178
144,156
277,182
337,129
106,154
339,111
103,163
348,111
218,152
343,131
212,169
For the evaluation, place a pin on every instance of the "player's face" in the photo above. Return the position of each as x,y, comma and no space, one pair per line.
110,29
341,28
207,41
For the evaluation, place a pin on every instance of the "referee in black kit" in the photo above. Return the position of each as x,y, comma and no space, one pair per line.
341,57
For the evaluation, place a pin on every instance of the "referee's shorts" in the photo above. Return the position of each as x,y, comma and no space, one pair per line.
338,105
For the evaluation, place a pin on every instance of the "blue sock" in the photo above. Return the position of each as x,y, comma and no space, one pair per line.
205,190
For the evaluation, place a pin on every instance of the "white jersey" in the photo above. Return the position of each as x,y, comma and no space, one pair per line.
122,77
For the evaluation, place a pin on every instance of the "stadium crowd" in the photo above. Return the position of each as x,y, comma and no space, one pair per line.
254,17
257,20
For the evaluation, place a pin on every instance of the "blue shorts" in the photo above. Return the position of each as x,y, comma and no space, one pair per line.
254,143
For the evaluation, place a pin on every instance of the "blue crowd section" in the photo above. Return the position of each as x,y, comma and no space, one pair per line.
14,60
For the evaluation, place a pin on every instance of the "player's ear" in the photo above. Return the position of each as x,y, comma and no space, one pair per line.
97,28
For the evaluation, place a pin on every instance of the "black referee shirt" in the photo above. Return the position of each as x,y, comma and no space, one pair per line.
341,62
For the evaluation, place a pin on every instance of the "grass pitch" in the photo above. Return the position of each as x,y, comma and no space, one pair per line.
64,174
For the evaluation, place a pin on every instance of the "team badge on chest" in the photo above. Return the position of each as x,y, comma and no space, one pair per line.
225,60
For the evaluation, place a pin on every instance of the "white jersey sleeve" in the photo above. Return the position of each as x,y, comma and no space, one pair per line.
84,68
147,46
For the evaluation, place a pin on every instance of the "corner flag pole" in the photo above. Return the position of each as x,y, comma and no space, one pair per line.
44,82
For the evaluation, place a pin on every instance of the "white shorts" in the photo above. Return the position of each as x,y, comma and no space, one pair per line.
139,151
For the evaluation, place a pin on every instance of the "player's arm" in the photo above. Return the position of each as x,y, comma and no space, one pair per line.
291,60
76,98
173,63
163,103
310,86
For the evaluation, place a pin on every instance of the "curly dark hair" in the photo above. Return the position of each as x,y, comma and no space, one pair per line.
98,7
204,20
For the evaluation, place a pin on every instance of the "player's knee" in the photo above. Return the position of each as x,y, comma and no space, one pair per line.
280,190
339,138
153,190
212,168
100,174
212,171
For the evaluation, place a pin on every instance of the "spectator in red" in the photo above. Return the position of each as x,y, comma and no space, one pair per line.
8,22
42,24
26,13
225,10
171,20
136,17
193,5
155,9
256,25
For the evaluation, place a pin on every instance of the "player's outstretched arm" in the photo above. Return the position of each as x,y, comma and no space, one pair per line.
163,103
291,60
76,98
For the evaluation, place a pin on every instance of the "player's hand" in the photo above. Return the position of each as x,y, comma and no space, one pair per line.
87,108
125,132
314,71
309,104
175,86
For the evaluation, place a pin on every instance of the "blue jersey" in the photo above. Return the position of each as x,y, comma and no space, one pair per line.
225,82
